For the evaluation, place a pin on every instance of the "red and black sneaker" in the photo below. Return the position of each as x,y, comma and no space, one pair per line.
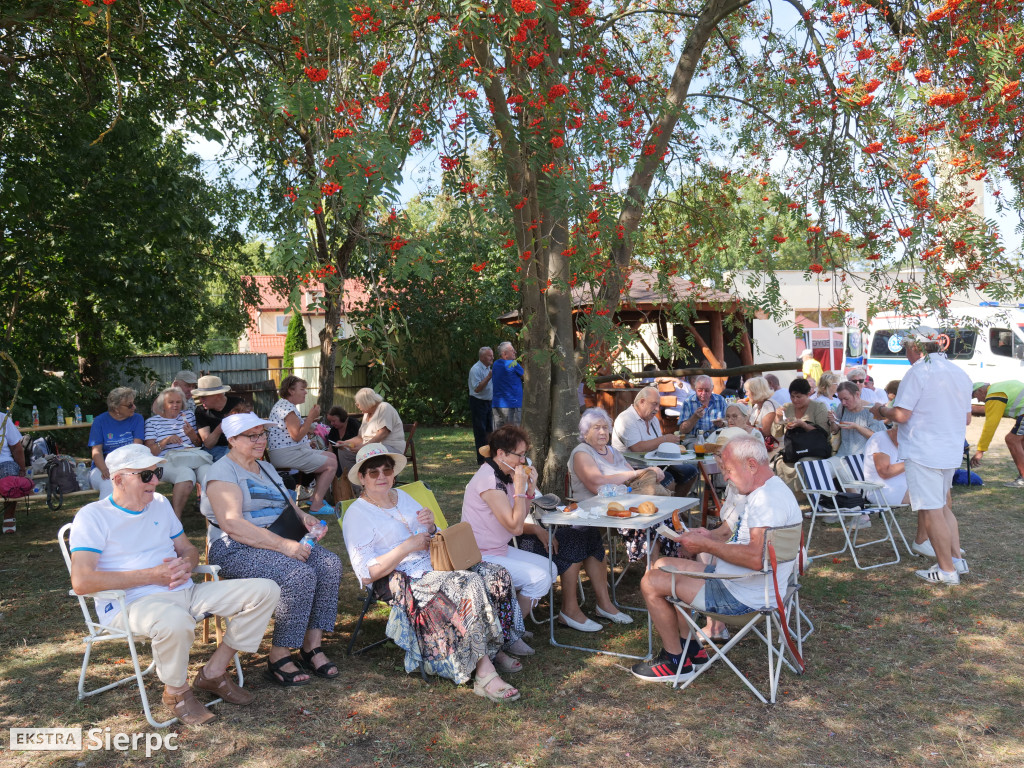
694,652
662,669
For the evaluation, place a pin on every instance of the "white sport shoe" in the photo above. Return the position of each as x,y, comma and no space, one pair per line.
924,549
961,565
1018,483
936,575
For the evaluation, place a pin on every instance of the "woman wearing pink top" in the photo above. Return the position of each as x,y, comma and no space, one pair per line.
496,504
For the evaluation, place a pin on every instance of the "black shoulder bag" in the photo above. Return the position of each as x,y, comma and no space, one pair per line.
799,443
288,525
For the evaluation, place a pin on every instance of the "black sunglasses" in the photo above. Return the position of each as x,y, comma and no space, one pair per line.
857,381
147,475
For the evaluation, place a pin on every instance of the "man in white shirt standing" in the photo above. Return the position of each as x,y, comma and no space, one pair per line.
933,408
480,394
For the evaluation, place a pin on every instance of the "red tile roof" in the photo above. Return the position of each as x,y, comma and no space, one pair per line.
355,295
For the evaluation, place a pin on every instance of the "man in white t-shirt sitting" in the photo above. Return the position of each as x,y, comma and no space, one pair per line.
769,504
638,429
132,541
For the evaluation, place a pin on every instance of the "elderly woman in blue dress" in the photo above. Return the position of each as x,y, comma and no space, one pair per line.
454,622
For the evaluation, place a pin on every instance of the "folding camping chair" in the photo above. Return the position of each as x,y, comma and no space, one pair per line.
816,481
99,633
850,472
781,546
424,496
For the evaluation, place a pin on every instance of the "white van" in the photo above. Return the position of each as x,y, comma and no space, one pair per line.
986,341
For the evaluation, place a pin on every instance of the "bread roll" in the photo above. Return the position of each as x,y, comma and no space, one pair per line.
648,508
616,507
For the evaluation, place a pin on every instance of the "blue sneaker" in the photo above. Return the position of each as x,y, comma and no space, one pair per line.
325,510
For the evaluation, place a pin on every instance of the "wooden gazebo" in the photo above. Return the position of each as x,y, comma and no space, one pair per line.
710,325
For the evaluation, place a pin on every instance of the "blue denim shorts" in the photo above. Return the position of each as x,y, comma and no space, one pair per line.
716,598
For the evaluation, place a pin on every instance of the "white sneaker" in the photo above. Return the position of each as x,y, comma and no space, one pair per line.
924,549
618,618
936,575
828,517
961,565
1018,483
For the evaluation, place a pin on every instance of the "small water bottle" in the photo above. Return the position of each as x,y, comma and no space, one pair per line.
60,414
311,538
35,416
78,414
611,489
82,475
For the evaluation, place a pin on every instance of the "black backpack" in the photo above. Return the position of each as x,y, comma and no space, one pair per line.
60,474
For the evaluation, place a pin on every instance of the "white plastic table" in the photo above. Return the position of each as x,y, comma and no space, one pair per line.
591,515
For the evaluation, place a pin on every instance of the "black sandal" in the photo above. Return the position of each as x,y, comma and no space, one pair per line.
321,671
286,679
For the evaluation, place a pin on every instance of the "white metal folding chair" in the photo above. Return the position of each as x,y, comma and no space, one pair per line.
816,481
101,633
780,627
852,478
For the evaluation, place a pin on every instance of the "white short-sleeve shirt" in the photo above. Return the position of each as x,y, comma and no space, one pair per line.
630,429
127,541
896,486
772,505
938,396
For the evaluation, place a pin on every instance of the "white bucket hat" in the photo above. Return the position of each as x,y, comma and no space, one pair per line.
237,423
372,451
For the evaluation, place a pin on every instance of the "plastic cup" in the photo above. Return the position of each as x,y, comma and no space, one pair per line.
69,420
88,419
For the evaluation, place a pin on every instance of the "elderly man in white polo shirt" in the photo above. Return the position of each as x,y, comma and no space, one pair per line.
132,540
933,408
638,429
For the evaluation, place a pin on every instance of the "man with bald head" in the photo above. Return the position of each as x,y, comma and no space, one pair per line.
638,429
480,395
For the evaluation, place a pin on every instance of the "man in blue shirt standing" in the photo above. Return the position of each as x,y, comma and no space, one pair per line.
507,381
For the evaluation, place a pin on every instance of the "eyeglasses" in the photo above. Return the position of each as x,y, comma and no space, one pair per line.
128,405
378,471
147,475
857,381
520,456
262,435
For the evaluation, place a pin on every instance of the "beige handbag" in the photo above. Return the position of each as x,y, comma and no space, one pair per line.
454,549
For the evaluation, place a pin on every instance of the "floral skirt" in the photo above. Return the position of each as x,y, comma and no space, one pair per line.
449,620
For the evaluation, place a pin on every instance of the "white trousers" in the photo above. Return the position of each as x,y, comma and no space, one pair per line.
532,575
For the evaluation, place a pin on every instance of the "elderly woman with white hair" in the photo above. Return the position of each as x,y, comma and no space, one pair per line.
381,423
171,434
596,462
117,426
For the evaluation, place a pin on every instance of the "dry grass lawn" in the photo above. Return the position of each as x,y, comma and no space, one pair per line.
900,673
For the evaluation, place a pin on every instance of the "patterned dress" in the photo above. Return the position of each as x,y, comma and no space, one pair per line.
448,620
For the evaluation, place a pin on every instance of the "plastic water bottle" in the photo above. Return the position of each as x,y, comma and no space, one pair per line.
60,414
610,489
311,538
78,414
82,474
35,416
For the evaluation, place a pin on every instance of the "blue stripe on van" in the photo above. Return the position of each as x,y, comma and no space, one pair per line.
888,361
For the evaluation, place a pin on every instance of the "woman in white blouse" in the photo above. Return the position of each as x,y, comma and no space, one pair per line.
454,622
289,446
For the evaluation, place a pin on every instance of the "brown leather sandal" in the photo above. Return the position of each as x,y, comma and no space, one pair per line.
224,687
187,707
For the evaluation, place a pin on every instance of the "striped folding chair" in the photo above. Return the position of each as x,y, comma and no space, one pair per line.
817,483
852,478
